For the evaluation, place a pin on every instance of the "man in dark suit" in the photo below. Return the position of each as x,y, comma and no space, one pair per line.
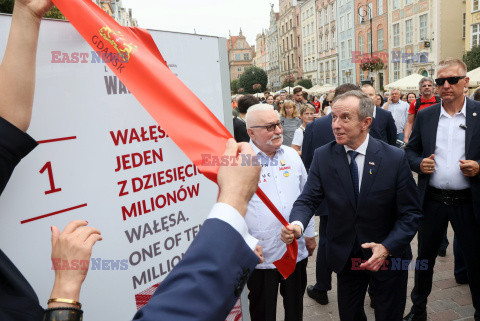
373,210
444,149
383,124
317,134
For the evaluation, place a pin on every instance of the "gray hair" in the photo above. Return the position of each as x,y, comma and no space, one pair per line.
391,90
250,118
424,79
365,106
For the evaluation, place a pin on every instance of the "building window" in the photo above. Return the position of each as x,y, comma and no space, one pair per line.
349,20
333,13
369,42
475,35
396,35
396,4
342,50
379,7
463,25
320,43
408,31
396,71
349,48
321,67
238,56
360,44
380,39
246,56
326,15
475,5
409,67
326,42
423,27
334,43
320,16
407,2
340,26
239,69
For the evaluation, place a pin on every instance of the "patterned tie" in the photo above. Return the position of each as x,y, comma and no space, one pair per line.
354,172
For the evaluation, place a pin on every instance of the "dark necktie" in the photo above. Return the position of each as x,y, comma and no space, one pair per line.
354,172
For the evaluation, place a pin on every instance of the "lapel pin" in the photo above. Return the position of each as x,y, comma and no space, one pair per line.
474,114
371,171
371,163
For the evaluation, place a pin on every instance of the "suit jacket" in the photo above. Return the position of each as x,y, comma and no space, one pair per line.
388,206
208,280
383,126
423,140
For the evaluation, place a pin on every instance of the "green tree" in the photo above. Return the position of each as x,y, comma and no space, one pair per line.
6,6
252,76
234,85
472,58
306,83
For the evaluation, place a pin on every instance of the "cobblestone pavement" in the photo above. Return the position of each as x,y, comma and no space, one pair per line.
448,300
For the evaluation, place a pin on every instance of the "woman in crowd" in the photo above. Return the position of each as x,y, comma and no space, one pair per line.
290,121
378,100
316,103
327,104
306,115
269,100
411,97
403,97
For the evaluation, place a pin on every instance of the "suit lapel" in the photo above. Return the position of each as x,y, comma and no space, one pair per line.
471,114
370,168
431,130
341,166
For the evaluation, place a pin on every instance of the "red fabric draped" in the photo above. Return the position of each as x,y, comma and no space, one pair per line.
142,69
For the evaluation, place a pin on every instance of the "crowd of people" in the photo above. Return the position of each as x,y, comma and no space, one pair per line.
347,157
386,137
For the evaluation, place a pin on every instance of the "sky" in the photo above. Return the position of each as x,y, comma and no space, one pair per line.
207,17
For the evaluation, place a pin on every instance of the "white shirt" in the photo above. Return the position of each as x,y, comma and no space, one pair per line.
360,159
298,136
449,149
231,216
399,112
282,179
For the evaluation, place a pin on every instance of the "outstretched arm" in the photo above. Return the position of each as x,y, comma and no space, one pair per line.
17,70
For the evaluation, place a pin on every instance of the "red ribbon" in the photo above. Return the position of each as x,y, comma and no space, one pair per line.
142,69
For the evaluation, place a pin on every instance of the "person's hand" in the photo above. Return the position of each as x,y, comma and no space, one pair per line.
290,232
427,166
311,244
259,252
36,7
71,251
375,262
238,180
469,168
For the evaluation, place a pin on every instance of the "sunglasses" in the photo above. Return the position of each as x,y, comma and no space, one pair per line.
451,80
269,128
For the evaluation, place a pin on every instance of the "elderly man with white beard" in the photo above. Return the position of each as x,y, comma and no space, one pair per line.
282,179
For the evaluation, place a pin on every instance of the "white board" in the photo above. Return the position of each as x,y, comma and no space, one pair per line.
76,115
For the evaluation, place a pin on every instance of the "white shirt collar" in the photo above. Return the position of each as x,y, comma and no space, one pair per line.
462,112
362,149
261,153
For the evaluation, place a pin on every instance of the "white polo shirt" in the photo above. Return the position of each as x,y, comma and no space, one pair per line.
282,179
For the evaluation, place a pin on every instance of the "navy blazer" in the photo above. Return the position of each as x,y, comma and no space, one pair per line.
388,208
206,283
383,126
423,140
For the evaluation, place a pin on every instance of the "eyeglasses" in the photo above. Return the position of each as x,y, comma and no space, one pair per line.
269,128
451,80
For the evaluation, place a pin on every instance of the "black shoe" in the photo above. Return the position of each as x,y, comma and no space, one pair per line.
442,252
319,296
416,317
461,281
